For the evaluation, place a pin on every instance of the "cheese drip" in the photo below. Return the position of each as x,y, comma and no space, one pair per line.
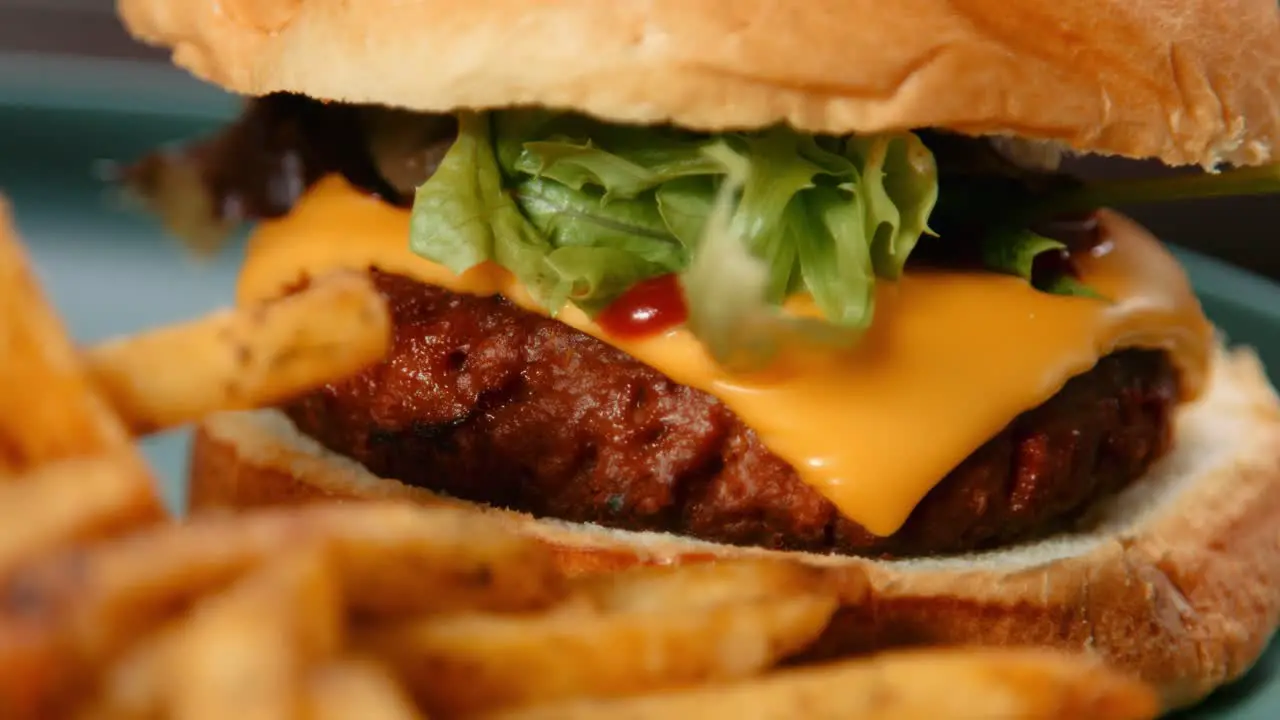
952,358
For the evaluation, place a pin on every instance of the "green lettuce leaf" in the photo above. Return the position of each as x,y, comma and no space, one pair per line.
569,218
1014,252
685,205
463,216
581,210
452,216
774,176
1068,285
900,180
727,287
550,236
579,165
593,276
840,275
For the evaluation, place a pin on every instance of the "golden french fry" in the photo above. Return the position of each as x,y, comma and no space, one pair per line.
82,608
906,685
70,500
245,654
50,412
132,686
391,558
697,586
403,561
633,632
48,408
284,616
357,688
244,358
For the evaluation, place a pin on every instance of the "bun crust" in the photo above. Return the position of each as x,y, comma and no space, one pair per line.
1177,579
1187,81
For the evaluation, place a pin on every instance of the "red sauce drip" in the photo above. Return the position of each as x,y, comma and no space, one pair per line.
648,308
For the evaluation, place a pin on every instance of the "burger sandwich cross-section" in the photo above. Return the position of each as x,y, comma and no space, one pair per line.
686,279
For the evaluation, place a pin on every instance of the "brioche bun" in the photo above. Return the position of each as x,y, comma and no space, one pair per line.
1176,580
1185,81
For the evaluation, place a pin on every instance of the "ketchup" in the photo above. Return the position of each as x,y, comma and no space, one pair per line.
648,308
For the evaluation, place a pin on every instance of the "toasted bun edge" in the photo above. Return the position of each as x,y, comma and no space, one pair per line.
1185,81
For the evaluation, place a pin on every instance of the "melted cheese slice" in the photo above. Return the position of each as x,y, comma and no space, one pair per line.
952,358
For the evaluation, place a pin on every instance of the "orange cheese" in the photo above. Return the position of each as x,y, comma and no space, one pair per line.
951,359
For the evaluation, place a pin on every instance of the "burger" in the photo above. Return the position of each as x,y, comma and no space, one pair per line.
680,280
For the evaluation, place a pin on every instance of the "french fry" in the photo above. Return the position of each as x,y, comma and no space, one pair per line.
244,655
244,358
907,685
395,559
48,408
633,632
81,609
70,500
391,558
261,633
132,686
51,413
698,586
357,688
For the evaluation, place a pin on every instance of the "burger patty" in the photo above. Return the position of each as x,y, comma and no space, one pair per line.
486,402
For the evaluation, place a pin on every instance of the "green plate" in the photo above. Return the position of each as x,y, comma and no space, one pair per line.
111,271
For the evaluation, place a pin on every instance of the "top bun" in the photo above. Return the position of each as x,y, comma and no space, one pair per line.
1185,81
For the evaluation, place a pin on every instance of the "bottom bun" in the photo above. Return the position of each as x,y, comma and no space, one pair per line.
1176,580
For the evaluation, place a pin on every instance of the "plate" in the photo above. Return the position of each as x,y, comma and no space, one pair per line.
111,271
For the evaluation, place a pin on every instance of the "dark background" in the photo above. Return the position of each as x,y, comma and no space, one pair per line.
1240,230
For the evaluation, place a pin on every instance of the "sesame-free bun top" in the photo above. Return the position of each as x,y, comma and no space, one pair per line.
1185,81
